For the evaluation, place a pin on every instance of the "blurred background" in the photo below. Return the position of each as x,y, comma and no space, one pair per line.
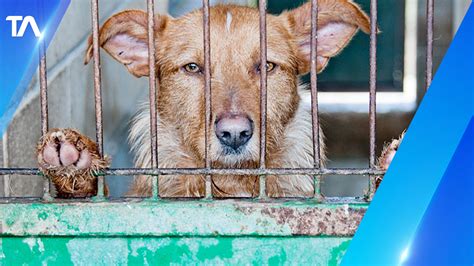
343,86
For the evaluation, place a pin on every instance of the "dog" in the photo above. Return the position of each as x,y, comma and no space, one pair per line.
71,159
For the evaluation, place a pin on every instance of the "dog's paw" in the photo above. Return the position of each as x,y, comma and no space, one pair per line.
388,153
70,159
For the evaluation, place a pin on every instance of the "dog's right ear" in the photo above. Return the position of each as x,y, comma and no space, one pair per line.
338,22
125,37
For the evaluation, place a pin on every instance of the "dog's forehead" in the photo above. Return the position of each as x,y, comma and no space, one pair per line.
230,17
228,21
235,37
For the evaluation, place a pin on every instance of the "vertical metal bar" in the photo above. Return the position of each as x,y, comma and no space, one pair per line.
43,95
97,89
429,42
153,86
314,95
207,92
44,108
262,7
373,90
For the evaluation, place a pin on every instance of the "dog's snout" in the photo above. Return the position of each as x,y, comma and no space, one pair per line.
234,131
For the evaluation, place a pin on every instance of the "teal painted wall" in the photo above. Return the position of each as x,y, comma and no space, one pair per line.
163,251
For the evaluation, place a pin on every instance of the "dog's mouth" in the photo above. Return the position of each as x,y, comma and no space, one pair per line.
230,154
229,151
235,157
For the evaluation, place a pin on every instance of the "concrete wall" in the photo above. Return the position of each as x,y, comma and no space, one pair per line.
460,9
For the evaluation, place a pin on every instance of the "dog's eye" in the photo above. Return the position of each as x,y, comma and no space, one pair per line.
270,67
192,68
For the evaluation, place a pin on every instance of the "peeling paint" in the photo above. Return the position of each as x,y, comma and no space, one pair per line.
165,251
338,252
317,221
107,251
152,244
34,244
176,232
30,242
223,218
2,255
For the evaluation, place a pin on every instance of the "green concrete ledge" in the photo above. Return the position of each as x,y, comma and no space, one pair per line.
229,218
172,250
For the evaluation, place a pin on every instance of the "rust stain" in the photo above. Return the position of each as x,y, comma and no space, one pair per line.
338,221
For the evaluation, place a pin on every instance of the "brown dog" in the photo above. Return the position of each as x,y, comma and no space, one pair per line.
70,158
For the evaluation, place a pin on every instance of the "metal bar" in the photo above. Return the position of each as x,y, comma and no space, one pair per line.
262,184
97,89
21,171
314,83
137,199
373,91
429,42
262,7
314,95
203,171
43,94
153,87
207,93
43,81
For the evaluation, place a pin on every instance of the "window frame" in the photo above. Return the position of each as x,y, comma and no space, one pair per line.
404,101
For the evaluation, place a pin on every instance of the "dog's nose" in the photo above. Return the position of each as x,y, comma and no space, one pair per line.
234,131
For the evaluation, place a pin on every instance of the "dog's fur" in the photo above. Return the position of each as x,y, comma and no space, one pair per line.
235,90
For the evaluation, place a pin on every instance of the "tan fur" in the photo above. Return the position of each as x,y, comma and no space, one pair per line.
235,89
388,152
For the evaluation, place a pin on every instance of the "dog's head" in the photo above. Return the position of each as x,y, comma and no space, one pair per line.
235,69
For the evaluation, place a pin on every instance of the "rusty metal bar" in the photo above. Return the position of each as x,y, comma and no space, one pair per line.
314,95
262,7
43,81
97,89
262,185
429,42
203,171
43,94
153,90
326,200
21,171
207,92
314,83
373,91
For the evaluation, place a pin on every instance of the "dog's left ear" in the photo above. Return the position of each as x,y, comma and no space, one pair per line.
338,22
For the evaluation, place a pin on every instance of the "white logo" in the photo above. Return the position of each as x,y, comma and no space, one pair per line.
25,21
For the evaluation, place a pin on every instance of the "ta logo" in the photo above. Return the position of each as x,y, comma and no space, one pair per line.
24,24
